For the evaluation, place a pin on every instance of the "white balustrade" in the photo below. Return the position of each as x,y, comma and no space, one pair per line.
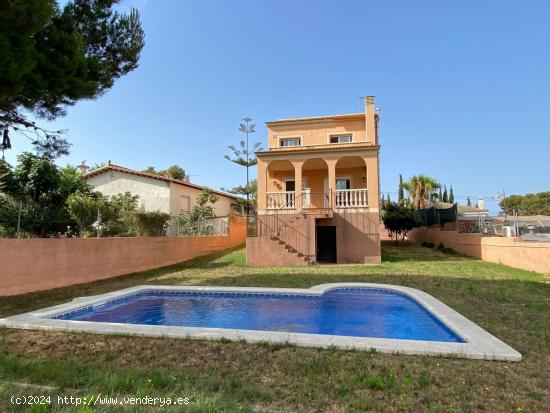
351,198
281,200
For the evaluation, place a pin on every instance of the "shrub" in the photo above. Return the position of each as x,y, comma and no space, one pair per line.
190,222
428,244
149,224
96,214
399,220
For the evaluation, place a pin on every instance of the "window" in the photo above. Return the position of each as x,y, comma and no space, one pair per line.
340,138
343,183
290,142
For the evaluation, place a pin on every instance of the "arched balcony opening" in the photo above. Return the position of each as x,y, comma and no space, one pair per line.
315,188
280,185
351,189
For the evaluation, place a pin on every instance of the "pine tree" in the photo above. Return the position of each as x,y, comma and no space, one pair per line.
469,202
445,195
451,196
244,156
400,191
54,55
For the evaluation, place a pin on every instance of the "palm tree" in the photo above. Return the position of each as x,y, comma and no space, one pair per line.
421,190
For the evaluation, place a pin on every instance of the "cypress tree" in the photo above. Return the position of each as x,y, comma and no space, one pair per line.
445,195
451,196
400,191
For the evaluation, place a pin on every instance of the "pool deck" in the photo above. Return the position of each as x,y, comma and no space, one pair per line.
479,344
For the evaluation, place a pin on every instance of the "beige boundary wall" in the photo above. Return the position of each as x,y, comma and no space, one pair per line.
28,265
532,256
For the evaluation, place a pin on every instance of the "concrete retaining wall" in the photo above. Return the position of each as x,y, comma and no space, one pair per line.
532,256
28,265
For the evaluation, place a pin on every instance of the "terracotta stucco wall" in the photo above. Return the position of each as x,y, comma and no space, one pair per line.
532,256
317,133
40,264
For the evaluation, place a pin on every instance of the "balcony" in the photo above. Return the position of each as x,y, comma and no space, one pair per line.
281,200
343,198
351,198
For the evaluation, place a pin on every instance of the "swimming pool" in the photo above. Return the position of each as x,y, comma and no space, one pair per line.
387,318
357,312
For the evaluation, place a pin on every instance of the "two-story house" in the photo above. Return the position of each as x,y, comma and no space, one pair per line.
318,196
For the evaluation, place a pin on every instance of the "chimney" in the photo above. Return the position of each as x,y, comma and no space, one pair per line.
371,119
83,168
481,203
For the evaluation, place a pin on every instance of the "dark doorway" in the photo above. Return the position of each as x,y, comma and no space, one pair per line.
326,244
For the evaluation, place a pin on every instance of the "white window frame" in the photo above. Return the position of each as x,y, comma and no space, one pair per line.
284,138
350,134
347,178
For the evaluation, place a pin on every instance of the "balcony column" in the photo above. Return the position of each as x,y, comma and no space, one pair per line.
372,181
331,163
262,184
297,183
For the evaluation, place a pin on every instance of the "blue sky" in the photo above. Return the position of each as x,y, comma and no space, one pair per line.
464,87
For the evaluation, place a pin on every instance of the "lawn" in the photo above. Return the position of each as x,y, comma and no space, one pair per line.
224,376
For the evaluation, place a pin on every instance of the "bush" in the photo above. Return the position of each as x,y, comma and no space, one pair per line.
149,224
96,214
399,220
190,222
441,247
428,244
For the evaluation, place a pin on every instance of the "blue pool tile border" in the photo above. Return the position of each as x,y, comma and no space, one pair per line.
163,292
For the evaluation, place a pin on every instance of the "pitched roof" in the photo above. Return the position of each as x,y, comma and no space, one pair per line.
118,168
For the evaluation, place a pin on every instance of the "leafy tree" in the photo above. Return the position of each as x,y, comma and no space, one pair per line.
53,56
451,196
250,191
35,194
190,221
244,156
399,220
174,171
421,190
400,190
528,204
96,214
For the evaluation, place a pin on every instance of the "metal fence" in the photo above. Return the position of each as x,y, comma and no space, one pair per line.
178,227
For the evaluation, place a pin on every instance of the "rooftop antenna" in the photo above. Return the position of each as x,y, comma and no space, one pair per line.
362,100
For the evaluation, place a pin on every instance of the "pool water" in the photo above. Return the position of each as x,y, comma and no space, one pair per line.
345,312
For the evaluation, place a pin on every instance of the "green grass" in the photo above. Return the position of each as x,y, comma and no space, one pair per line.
512,304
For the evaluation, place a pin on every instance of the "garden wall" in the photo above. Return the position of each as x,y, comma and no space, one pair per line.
532,256
28,265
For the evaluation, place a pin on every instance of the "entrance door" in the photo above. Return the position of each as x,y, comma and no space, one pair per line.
290,187
325,237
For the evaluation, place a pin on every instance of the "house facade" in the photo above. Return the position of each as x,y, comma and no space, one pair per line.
156,193
318,191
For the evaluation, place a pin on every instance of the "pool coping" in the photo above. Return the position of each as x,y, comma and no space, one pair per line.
479,344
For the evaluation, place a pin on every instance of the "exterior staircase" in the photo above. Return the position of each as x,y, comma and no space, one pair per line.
290,253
